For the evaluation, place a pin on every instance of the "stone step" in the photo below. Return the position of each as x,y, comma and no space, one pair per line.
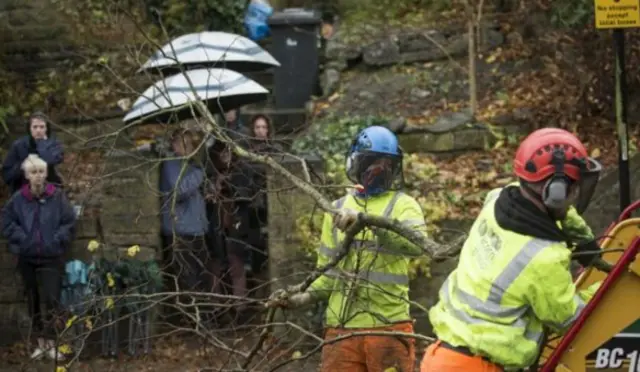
454,132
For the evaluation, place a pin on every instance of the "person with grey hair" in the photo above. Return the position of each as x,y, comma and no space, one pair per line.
38,222
39,140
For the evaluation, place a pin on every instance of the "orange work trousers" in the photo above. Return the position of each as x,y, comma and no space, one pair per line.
369,353
440,359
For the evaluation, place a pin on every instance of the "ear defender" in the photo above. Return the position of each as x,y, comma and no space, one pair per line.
556,190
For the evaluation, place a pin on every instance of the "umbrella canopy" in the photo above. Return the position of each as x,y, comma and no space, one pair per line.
210,49
169,99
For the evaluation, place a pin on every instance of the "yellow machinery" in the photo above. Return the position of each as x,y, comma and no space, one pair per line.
606,336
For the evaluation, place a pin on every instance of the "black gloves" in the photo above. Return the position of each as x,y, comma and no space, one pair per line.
586,253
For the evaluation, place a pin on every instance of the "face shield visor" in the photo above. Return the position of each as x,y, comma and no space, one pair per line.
586,187
375,172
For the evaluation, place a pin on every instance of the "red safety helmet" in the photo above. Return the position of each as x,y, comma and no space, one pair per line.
533,161
555,154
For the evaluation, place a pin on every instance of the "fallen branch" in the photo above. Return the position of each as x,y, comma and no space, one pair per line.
430,247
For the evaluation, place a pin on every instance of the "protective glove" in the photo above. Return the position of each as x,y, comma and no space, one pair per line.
344,219
587,259
281,298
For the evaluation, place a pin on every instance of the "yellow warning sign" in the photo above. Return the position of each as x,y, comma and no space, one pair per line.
617,13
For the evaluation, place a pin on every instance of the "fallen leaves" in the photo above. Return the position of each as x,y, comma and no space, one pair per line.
454,188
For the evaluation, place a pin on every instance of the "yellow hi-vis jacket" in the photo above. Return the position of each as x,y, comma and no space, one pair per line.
370,286
505,288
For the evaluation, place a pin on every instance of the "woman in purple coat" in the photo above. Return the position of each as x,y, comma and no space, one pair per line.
38,222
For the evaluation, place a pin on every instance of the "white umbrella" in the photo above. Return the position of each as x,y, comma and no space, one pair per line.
211,49
221,89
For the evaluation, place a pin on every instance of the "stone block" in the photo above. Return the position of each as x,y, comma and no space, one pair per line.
7,260
79,250
112,205
86,227
145,254
10,286
14,319
140,238
288,265
129,224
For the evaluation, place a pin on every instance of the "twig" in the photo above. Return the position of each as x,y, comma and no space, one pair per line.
344,249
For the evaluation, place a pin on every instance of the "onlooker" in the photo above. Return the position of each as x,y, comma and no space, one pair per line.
39,140
232,119
262,135
235,127
261,127
261,143
184,219
229,210
38,221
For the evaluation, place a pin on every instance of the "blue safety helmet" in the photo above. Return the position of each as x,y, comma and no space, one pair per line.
374,161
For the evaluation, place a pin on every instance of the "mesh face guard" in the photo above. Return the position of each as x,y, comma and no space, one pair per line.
376,172
589,176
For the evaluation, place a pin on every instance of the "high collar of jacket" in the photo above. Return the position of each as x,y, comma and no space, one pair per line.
49,190
516,213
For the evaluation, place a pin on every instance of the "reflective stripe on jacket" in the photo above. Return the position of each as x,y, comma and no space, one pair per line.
506,286
369,287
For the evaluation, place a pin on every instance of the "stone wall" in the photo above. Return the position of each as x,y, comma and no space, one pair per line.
33,36
120,208
130,201
288,265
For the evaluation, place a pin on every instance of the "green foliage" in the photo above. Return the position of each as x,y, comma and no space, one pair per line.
110,35
181,17
571,13
308,230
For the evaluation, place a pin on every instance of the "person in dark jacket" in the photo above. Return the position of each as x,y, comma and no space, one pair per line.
228,209
261,143
38,222
40,141
184,219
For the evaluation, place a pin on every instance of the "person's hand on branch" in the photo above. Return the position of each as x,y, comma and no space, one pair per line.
344,219
282,298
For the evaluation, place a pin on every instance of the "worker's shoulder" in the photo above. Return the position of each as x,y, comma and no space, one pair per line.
545,252
406,199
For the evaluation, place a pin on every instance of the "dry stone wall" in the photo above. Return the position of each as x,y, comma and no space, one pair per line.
120,207
288,264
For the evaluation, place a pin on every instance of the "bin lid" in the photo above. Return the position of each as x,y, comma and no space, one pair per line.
294,16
